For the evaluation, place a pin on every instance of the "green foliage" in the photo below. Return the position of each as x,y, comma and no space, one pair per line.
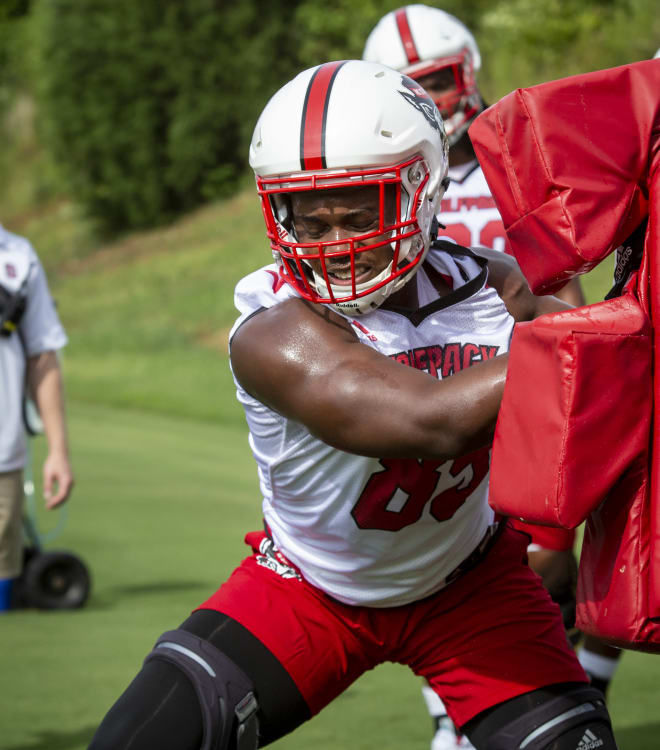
146,108
146,104
338,29
29,179
524,42
11,14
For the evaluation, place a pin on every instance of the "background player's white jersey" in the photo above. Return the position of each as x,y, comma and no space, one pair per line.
381,533
468,210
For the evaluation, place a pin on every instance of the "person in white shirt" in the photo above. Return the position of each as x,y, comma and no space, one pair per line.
370,361
30,337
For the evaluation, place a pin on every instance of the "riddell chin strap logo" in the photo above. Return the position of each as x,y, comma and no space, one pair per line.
589,741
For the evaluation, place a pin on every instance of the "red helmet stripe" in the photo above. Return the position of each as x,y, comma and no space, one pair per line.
315,115
406,36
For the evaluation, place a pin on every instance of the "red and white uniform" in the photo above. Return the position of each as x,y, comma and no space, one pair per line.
468,210
364,547
381,533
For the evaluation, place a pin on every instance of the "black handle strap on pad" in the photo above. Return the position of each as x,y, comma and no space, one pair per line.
628,259
226,695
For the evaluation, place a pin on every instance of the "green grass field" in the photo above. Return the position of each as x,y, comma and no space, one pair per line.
166,487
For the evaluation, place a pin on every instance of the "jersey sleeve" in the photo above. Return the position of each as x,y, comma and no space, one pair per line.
40,326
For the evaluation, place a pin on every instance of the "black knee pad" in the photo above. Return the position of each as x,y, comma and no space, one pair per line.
225,693
576,719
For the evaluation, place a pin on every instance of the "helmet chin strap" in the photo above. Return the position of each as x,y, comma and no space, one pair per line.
324,289
368,302
454,137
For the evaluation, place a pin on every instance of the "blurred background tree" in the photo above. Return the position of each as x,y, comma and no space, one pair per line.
146,104
143,110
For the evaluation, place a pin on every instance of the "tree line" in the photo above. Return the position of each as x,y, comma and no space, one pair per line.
147,106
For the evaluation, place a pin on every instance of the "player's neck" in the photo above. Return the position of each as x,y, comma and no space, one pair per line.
406,298
461,152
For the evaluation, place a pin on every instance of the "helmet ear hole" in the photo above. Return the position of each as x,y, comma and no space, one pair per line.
283,211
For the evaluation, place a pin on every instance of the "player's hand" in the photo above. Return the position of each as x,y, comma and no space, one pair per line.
58,479
557,568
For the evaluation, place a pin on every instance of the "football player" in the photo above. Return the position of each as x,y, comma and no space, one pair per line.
370,360
441,54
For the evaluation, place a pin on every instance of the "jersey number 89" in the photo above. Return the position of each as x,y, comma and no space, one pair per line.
396,497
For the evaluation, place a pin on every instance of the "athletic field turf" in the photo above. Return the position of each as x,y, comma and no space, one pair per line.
159,512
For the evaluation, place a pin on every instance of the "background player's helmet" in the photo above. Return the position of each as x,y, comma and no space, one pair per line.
419,40
345,125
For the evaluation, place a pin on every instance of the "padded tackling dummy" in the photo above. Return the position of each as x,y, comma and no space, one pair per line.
568,165
619,577
574,166
562,463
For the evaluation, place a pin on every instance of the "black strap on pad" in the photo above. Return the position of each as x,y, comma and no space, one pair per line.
538,727
628,259
225,693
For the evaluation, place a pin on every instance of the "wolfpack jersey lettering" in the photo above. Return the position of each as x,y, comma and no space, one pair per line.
369,532
468,210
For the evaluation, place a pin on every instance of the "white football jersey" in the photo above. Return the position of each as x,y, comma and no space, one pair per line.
369,532
468,210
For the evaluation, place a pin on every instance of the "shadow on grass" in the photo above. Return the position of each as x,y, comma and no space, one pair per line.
111,596
643,737
50,740
158,587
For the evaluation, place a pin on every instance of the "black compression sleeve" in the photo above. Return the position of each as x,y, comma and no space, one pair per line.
159,709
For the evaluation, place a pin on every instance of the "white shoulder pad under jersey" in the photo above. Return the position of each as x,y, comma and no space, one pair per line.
381,533
468,210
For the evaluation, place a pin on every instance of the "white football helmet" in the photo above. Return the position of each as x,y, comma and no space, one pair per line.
418,41
350,124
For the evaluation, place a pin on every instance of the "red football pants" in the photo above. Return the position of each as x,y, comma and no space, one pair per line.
491,635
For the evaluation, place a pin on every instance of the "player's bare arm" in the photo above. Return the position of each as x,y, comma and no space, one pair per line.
505,276
305,362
